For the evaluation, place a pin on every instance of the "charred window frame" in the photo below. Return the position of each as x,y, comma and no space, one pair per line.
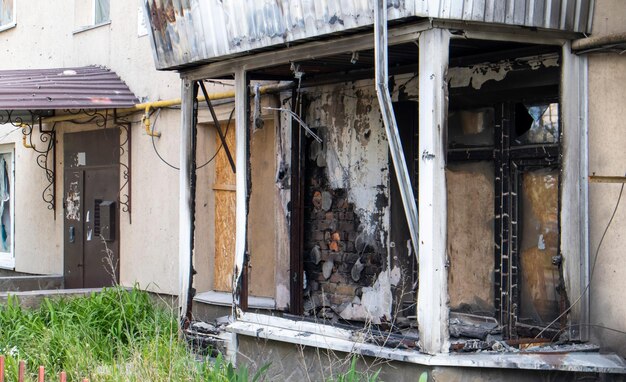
512,158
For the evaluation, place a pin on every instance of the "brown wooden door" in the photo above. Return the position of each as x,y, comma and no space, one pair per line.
91,210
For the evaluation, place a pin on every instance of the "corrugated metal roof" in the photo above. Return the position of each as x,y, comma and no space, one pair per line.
89,87
193,31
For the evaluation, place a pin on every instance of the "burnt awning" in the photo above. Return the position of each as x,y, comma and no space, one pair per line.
88,87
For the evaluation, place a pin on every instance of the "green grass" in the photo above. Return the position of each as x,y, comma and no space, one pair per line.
115,335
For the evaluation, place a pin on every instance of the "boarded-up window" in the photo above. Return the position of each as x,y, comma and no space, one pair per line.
470,232
539,246
503,229
225,215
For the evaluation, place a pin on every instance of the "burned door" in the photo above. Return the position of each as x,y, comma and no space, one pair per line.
91,210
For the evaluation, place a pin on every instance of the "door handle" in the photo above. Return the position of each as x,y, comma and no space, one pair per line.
72,234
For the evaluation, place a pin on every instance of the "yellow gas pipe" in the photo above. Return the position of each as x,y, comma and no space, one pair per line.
146,106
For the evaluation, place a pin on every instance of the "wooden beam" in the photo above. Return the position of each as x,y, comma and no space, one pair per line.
432,299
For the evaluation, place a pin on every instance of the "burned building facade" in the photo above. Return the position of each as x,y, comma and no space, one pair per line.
427,179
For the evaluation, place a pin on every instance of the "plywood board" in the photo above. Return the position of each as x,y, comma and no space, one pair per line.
262,214
225,215
539,244
470,236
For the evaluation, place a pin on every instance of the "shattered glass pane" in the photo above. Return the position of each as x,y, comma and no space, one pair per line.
539,236
471,128
5,203
544,127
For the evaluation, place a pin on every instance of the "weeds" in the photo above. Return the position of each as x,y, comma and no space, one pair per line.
115,335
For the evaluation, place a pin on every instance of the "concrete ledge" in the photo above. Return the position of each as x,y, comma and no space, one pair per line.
33,299
30,282
328,337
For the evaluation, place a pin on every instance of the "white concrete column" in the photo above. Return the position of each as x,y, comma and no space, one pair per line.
432,298
185,232
241,104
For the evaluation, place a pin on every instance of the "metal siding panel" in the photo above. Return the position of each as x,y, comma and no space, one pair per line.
582,15
467,9
211,29
568,10
555,14
455,9
444,8
478,11
519,12
589,25
530,10
490,6
499,11
538,13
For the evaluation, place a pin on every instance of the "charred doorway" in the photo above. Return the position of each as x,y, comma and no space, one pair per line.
90,209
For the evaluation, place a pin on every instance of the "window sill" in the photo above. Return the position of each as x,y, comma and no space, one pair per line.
226,299
8,26
90,27
7,262
342,340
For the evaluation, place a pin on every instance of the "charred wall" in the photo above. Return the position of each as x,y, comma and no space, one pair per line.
348,270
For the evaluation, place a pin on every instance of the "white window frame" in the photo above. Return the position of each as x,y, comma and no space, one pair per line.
93,14
13,23
7,259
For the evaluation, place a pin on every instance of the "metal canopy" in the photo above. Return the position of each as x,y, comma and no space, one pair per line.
192,32
89,87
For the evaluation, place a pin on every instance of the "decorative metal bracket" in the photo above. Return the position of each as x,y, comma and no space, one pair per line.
45,148
125,194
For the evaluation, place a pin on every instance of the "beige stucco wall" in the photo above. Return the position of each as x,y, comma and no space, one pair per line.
46,37
607,156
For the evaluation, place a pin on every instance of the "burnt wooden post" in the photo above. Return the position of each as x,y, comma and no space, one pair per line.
185,222
432,298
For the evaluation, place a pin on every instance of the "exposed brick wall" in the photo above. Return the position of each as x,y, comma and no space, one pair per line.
332,248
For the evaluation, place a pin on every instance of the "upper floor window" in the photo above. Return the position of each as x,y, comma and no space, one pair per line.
7,14
101,11
90,14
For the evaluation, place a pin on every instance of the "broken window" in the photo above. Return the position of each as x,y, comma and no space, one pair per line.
503,182
7,205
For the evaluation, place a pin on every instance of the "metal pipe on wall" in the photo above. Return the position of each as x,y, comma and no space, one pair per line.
389,120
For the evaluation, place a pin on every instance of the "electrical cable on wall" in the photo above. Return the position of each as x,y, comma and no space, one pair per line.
593,268
156,151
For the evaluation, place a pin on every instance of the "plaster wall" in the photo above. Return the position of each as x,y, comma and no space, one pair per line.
607,157
53,34
48,35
